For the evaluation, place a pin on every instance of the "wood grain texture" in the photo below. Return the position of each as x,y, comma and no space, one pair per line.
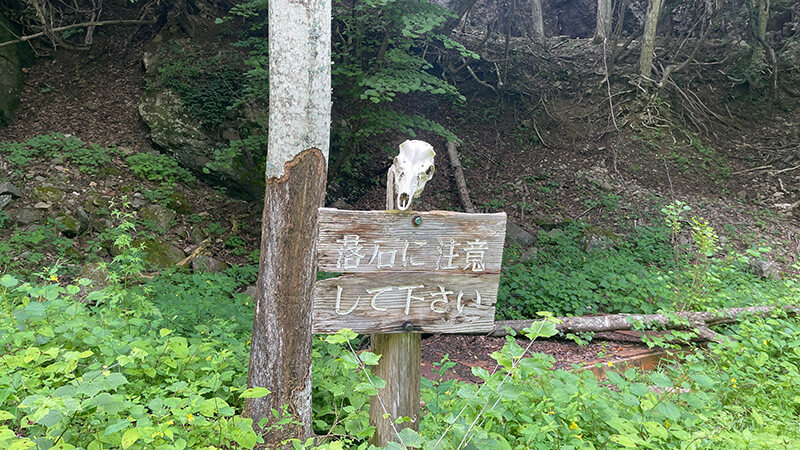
388,303
400,367
280,354
388,241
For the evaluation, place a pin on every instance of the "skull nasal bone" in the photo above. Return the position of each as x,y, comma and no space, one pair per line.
403,201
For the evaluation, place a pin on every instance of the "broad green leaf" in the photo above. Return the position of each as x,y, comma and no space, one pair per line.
130,436
255,392
411,438
5,415
119,426
7,281
369,358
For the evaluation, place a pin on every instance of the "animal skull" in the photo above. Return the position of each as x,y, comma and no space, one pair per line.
412,168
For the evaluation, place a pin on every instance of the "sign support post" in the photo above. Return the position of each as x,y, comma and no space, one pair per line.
406,273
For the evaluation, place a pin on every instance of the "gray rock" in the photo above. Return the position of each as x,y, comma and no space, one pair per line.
42,205
208,264
528,255
595,238
196,235
10,189
516,235
176,132
46,194
27,216
341,204
180,231
160,216
69,225
251,291
96,273
178,203
5,199
137,202
158,252
765,269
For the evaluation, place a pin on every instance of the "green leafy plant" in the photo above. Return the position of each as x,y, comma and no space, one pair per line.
158,167
89,159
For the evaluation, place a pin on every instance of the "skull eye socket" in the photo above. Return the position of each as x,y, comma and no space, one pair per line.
429,171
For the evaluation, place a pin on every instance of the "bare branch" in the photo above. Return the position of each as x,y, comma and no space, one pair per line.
77,25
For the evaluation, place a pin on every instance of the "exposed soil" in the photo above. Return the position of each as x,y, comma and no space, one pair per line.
580,171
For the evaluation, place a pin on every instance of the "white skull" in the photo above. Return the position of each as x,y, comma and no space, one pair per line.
413,167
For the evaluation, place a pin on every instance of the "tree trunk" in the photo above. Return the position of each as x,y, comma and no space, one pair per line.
602,30
537,28
460,8
760,29
297,156
649,37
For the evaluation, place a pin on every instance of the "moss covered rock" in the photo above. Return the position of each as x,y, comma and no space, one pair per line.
178,203
46,194
158,252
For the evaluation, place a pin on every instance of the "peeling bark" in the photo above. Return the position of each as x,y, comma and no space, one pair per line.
297,161
280,353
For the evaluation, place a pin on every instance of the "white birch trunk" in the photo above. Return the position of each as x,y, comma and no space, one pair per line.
299,130
299,80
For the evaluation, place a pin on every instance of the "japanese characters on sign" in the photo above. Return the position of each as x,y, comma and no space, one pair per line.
375,241
420,271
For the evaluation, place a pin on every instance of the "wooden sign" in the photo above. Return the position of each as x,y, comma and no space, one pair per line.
422,272
402,303
407,241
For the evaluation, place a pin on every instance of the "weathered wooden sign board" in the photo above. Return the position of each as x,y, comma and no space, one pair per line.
423,272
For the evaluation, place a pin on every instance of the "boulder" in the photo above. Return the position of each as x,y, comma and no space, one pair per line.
96,273
8,192
208,264
27,216
46,194
765,269
173,130
71,225
515,235
160,216
158,252
595,238
178,203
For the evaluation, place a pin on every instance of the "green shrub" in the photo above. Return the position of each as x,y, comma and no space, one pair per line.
87,158
158,167
208,82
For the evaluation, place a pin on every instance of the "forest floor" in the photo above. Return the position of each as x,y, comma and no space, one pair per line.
545,165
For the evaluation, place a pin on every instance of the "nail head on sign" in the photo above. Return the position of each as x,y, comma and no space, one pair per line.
417,221
408,326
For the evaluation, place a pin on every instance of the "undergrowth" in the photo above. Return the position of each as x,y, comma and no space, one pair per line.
649,271
88,159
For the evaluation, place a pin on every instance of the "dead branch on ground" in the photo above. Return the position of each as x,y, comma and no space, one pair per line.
696,321
458,173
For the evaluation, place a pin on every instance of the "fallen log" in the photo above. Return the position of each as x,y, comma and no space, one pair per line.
696,321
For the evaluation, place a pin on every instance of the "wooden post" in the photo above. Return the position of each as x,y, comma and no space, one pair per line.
399,366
